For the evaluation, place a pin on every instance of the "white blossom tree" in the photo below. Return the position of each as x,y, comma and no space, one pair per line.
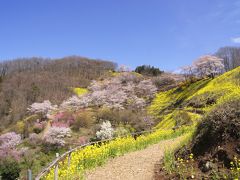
42,108
56,135
208,66
10,140
106,131
123,68
118,92
188,71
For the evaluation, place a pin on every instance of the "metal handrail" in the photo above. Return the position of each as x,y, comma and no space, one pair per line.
64,155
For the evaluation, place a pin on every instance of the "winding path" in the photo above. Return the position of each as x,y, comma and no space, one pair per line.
138,165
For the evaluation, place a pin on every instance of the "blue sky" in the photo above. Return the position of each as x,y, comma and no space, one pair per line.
163,33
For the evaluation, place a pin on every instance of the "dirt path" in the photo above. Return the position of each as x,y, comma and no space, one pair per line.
137,165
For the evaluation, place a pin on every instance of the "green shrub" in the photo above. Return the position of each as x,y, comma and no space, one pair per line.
182,118
203,100
83,119
219,126
9,169
121,131
164,82
137,120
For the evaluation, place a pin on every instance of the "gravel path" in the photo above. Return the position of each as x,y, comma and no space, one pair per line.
138,165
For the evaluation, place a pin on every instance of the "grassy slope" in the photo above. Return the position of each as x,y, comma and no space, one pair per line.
224,87
167,105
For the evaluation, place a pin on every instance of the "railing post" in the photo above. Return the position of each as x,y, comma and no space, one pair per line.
29,174
56,169
69,159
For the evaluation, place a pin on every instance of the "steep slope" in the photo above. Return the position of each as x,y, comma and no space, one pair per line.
215,144
190,100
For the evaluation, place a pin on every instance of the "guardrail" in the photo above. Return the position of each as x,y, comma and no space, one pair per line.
68,155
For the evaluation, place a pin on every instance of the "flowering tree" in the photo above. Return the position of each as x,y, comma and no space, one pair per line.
56,135
118,92
123,68
8,143
10,140
106,131
42,108
76,102
208,66
188,71
34,139
146,88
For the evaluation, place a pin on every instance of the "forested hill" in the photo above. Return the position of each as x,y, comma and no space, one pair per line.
28,80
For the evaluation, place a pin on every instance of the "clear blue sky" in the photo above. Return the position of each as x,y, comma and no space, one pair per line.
164,33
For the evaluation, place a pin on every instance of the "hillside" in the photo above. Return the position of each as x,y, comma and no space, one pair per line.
214,106
29,80
117,105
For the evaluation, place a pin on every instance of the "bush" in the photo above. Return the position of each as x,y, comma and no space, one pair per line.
54,138
39,126
106,131
164,82
64,117
34,139
137,120
182,118
203,100
83,119
9,169
9,140
220,125
121,131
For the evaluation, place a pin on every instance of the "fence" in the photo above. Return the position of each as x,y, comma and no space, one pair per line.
68,155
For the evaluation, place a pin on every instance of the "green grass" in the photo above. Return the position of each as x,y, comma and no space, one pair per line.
95,155
167,104
169,158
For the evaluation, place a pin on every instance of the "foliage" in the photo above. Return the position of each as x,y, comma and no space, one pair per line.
118,92
80,91
203,100
204,66
9,169
123,68
39,126
83,119
10,140
164,81
203,94
223,87
148,70
208,66
121,131
34,139
94,155
8,146
42,108
30,80
106,131
182,118
235,168
135,120
169,157
63,117
171,99
55,136
220,125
